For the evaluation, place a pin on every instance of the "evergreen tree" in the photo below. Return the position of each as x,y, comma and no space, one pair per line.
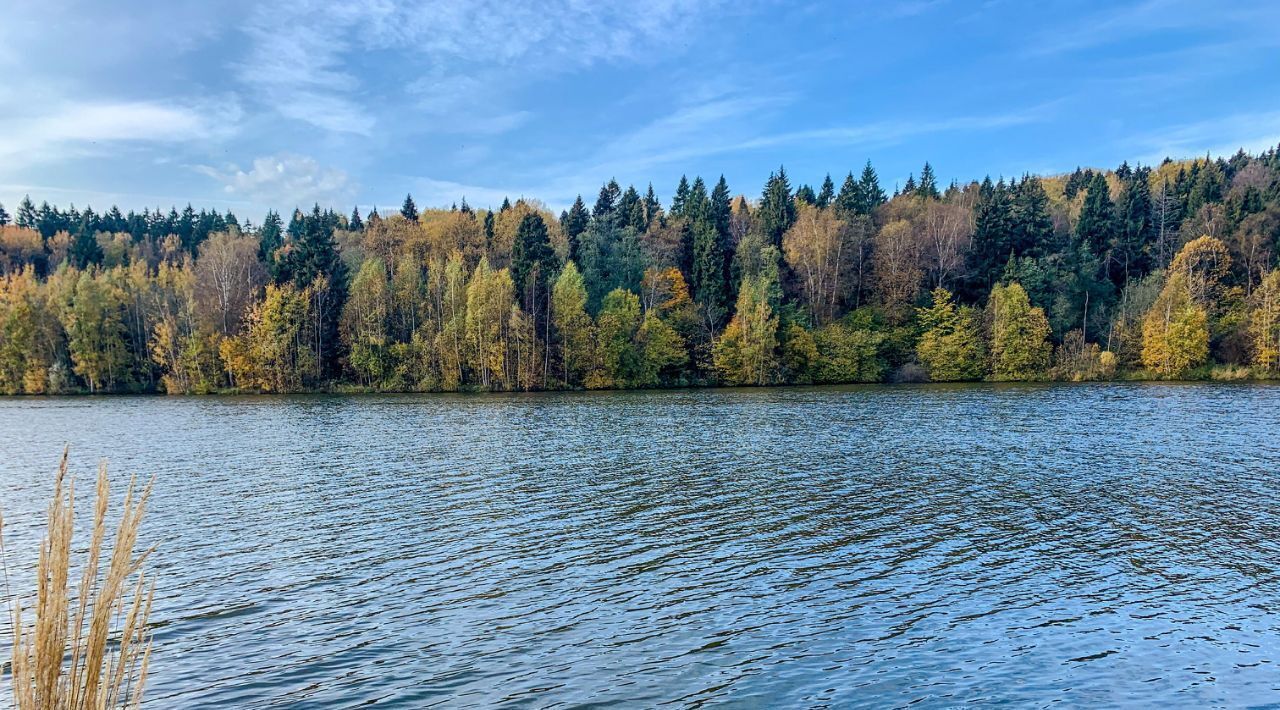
806,195
355,223
85,250
652,208
849,201
26,216
1096,226
869,188
270,237
1128,254
777,210
574,224
722,212
4,216
409,210
628,214
682,194
827,193
606,204
532,252
488,229
992,245
928,187
506,205
1032,224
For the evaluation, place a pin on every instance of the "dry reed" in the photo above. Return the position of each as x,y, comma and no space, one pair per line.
88,650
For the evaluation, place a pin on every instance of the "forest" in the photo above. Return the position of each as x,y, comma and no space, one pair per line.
1148,272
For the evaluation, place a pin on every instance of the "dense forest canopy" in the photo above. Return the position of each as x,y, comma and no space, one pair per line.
1141,272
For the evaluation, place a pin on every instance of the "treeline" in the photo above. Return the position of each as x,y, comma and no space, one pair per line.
1146,272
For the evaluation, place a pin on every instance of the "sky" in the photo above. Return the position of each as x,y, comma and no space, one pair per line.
254,105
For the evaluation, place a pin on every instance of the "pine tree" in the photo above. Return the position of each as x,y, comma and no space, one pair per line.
531,251
652,208
628,214
777,210
806,195
1032,225
26,216
849,201
992,245
270,237
682,194
85,250
1133,229
721,210
355,223
869,187
575,223
506,205
606,204
928,187
827,193
1096,226
4,216
409,210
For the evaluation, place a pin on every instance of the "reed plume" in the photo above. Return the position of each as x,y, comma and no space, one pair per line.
88,650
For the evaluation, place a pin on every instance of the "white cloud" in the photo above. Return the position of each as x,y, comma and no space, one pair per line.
284,180
76,128
304,56
1222,136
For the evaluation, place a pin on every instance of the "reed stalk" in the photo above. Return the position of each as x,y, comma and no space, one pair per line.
87,647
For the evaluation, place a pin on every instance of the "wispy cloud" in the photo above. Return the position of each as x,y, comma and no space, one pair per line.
303,55
1221,136
284,179
1122,22
67,129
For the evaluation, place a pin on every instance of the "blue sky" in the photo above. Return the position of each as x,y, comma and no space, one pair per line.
254,105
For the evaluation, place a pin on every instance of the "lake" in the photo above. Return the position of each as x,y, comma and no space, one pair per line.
1109,544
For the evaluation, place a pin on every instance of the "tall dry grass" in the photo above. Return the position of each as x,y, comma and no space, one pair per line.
87,648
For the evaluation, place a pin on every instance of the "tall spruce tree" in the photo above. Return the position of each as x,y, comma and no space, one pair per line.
1031,223
355,224
777,210
682,194
575,223
928,187
827,193
409,210
1097,223
4,216
869,188
26,216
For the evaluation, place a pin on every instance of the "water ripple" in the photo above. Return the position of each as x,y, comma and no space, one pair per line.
828,547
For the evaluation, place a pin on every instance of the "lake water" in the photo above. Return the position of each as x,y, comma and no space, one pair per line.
1113,544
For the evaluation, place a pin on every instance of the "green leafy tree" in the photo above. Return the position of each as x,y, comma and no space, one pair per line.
621,362
746,353
1020,346
573,324
950,345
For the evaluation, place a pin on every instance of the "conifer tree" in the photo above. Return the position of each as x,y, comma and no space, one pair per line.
575,223
682,194
869,187
777,210
1096,226
409,210
827,193
26,216
928,187
355,223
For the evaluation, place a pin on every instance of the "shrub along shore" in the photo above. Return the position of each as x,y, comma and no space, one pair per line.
1160,272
